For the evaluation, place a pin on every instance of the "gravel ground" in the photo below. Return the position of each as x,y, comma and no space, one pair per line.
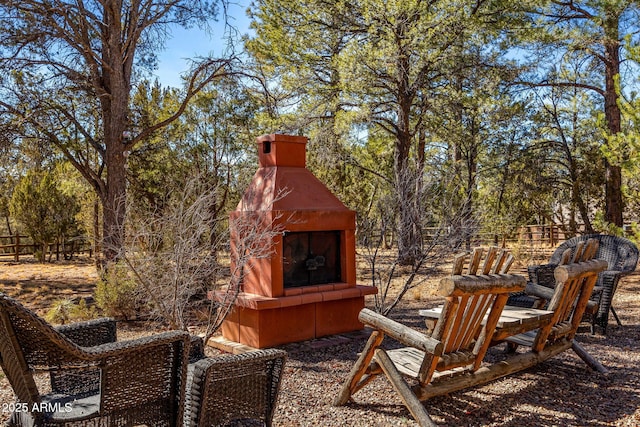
563,391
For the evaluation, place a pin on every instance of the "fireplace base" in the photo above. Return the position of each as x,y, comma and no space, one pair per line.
262,322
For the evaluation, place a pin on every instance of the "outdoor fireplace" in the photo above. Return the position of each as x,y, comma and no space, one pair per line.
307,287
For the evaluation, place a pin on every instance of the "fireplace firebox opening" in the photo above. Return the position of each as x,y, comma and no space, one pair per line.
311,258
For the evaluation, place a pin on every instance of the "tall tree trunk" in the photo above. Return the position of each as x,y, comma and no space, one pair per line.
613,186
115,108
458,225
114,205
472,171
6,218
582,207
409,235
96,231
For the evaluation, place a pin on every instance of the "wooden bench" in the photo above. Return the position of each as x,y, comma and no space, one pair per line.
550,337
472,319
458,343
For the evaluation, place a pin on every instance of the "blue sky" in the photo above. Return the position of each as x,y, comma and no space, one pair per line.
184,44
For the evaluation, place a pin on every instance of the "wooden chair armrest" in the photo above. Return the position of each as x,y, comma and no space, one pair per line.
400,332
539,291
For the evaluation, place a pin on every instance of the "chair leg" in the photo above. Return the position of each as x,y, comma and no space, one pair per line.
510,348
588,359
615,315
410,400
352,383
603,322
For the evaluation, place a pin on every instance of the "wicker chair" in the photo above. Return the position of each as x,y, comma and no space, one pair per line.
622,257
233,389
94,380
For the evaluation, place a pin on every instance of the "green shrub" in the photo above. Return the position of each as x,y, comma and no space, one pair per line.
116,292
39,255
65,310
46,212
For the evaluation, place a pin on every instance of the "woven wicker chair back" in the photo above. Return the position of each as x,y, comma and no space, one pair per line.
621,254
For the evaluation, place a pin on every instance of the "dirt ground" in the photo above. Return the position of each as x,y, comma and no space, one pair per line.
38,285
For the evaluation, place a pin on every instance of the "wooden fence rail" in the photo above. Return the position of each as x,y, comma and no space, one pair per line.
530,235
19,245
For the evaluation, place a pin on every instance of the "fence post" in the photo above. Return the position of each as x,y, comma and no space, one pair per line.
16,255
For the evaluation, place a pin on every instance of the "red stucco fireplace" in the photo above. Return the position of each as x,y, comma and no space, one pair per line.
307,288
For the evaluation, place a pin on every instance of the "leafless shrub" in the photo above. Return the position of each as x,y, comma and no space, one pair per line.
449,229
174,254
394,280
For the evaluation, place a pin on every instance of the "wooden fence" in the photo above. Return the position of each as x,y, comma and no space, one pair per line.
549,235
19,245
530,235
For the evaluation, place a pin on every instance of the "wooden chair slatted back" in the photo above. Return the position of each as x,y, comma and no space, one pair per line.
462,323
463,315
474,263
574,284
462,329
503,262
489,259
566,257
496,261
565,299
458,263
591,250
474,313
584,251
577,254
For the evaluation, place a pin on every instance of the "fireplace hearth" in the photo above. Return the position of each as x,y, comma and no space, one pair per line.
307,288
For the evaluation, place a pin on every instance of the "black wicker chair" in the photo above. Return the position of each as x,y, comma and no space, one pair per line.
622,256
94,380
233,389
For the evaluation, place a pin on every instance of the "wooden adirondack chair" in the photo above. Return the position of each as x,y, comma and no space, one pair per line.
458,343
568,301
